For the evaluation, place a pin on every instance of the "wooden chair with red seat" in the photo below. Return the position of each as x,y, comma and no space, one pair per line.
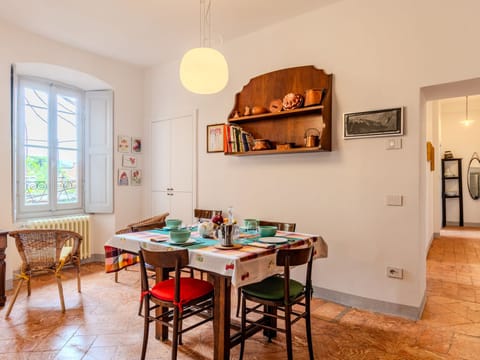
180,297
44,251
280,293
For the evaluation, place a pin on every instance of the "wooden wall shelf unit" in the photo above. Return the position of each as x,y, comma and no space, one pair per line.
288,126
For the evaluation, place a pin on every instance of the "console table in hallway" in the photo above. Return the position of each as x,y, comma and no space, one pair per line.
3,246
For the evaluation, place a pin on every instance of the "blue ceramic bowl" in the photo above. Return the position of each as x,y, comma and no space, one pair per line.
173,223
267,230
179,236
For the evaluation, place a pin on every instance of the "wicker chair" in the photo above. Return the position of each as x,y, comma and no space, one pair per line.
205,215
153,222
45,251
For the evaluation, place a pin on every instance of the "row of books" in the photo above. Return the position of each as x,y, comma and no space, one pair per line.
235,139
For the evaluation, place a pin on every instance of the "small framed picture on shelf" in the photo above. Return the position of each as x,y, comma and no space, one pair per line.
215,138
123,145
385,122
123,177
136,178
129,161
136,145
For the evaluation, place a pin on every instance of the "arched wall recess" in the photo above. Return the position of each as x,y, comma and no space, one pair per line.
473,177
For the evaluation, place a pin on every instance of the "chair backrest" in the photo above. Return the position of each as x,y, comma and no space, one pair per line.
205,215
294,257
153,222
175,259
41,248
280,225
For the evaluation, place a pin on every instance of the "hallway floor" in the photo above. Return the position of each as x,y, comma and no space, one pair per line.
101,322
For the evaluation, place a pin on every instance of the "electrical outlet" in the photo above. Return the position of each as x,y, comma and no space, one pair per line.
394,272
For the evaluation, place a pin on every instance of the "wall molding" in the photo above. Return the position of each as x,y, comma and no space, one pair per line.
384,307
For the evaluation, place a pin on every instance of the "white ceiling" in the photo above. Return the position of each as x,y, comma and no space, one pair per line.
146,32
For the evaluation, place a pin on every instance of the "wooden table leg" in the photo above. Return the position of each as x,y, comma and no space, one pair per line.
3,246
221,320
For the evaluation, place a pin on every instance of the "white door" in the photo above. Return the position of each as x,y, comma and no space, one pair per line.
173,167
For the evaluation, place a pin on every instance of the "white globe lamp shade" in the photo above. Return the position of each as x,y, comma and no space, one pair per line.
203,71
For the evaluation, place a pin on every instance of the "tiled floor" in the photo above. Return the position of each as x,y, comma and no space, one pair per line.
101,322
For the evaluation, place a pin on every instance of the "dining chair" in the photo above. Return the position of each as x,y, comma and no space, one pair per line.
178,298
277,295
205,215
153,222
43,251
280,226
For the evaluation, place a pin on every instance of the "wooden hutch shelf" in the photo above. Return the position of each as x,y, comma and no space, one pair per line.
288,126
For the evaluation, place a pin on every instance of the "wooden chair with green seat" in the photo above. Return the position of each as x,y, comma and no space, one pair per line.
280,226
279,294
154,222
180,297
43,251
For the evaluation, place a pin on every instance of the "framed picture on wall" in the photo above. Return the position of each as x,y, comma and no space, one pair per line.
123,177
385,122
215,138
123,144
136,145
129,161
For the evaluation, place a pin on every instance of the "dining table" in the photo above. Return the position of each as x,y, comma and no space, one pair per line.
250,259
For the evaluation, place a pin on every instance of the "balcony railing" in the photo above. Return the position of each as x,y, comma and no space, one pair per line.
36,191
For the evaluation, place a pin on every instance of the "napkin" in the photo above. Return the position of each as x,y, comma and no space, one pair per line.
159,238
261,245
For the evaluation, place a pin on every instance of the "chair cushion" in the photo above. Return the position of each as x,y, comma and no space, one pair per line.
271,288
190,289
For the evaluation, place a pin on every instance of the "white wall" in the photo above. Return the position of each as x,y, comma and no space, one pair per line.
381,53
126,81
463,141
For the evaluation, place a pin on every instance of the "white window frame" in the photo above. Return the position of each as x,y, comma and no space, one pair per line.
24,211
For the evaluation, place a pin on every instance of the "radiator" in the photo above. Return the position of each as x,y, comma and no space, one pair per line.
80,224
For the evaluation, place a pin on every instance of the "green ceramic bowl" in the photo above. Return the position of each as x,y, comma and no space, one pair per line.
267,231
173,223
179,236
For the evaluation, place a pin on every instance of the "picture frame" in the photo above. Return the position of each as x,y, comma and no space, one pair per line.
373,123
215,138
129,161
136,177
123,144
136,145
123,177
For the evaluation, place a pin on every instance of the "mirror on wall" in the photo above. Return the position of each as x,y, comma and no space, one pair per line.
473,177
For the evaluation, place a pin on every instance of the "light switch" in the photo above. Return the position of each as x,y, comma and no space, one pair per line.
394,200
393,144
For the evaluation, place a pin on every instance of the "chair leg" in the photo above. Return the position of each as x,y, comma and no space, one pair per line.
79,285
288,332
175,333
244,324
60,292
29,288
146,326
308,326
17,290
239,298
116,276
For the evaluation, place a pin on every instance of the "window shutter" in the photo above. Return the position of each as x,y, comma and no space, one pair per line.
99,152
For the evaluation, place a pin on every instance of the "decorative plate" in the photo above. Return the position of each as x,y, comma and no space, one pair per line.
273,240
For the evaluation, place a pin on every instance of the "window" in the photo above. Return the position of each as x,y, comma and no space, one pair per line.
52,160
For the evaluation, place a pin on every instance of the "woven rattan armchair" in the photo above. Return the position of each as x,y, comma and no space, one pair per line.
45,251
153,222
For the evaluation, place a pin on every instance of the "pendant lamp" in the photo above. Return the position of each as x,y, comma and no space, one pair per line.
204,70
467,121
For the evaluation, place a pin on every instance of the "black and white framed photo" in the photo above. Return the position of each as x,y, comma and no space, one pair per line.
374,123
